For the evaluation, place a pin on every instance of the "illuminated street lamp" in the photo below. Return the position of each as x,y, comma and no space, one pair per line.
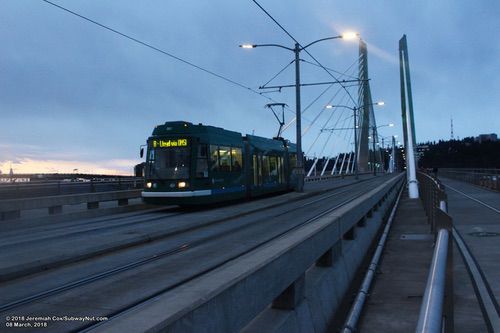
296,50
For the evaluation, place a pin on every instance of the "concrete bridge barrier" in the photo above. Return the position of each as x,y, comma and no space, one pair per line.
11,208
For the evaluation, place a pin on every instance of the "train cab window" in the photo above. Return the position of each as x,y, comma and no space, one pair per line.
225,159
237,160
202,161
214,158
169,163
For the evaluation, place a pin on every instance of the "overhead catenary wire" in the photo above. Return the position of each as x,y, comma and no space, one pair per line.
308,53
275,76
322,109
318,116
314,101
157,49
336,71
320,132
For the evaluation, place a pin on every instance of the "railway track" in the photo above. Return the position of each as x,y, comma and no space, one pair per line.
111,234
228,240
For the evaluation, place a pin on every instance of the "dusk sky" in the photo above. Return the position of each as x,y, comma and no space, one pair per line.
76,96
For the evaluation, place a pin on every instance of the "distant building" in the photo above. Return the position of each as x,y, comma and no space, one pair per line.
487,137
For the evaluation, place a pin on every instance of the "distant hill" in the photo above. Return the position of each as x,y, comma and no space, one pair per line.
466,153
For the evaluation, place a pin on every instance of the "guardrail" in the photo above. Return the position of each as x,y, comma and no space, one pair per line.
436,312
301,273
489,178
51,188
11,208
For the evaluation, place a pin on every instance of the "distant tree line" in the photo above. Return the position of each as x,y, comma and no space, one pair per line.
466,153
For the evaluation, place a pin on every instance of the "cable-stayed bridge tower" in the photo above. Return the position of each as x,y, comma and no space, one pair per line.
368,155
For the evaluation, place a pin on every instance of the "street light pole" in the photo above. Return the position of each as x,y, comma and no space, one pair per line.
300,160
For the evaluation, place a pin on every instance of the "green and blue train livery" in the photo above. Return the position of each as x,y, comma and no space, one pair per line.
188,164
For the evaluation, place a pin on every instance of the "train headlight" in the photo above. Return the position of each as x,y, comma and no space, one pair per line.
149,184
181,184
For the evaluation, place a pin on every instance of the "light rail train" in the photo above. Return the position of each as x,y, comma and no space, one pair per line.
188,164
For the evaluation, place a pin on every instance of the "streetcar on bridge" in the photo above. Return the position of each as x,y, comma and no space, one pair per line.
188,164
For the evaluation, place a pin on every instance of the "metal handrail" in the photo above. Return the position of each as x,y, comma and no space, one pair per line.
431,312
437,305
489,178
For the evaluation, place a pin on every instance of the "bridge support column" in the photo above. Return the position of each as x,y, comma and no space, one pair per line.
292,295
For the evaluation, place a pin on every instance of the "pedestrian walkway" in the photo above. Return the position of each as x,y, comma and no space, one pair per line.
396,295
395,298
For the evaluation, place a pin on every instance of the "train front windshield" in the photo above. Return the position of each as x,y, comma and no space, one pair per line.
168,163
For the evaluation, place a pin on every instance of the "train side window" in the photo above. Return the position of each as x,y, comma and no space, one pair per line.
281,172
265,167
259,157
202,161
225,159
214,158
255,168
273,166
237,160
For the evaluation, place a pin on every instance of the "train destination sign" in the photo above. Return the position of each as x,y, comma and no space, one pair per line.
170,143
